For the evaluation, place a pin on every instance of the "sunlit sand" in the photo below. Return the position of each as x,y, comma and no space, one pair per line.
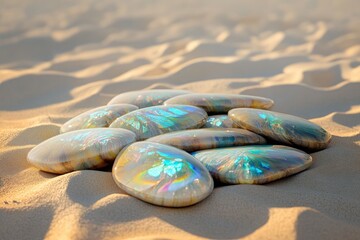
61,58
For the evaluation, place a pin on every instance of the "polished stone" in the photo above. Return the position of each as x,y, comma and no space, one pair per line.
218,121
97,118
81,149
146,98
253,164
161,175
153,121
206,138
220,103
284,128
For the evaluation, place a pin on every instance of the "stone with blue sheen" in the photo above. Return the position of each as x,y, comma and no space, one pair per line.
253,164
219,121
153,121
206,138
161,175
284,128
97,117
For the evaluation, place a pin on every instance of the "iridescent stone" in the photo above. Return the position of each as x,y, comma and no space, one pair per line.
284,128
146,98
253,164
205,138
220,103
218,121
153,121
97,118
81,149
161,175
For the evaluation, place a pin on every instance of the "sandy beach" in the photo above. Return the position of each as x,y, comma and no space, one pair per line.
61,58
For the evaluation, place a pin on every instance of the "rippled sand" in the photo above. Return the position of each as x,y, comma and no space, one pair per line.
60,58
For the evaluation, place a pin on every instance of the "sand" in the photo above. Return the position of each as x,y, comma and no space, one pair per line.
60,58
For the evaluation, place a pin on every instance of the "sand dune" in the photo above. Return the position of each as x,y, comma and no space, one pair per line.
60,58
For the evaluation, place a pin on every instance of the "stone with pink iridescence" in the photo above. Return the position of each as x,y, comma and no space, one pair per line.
161,175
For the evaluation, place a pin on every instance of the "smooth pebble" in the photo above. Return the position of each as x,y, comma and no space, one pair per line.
146,98
206,138
97,118
161,175
284,128
81,149
253,164
153,121
220,103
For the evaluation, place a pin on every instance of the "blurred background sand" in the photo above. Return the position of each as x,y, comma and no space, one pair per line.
60,58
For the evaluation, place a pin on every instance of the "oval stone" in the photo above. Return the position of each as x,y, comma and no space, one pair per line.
284,128
153,121
97,118
218,121
146,98
220,103
206,138
80,149
161,175
253,164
